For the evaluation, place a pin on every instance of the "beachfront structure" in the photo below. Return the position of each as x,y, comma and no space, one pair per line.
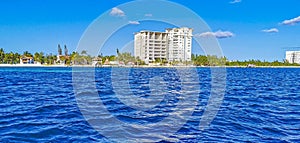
26,60
172,45
150,46
61,59
292,56
180,44
97,61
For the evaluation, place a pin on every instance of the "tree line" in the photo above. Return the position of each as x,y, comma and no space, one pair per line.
83,58
75,58
260,63
202,60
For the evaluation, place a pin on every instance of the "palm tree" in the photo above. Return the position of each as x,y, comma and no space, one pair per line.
49,59
75,57
41,57
27,54
54,58
36,57
2,55
11,57
16,58
84,53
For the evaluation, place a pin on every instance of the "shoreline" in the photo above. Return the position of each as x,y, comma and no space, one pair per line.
142,66
30,65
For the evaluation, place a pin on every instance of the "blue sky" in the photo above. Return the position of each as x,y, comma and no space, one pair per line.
245,29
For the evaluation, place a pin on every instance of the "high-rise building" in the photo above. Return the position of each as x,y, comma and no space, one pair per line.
180,44
173,45
292,56
150,46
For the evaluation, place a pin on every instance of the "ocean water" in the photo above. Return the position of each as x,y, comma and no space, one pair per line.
45,105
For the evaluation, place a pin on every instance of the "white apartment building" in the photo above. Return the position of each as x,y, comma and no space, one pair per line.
150,46
180,44
173,45
292,56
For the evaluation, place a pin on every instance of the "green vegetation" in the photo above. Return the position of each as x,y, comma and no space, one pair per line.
260,63
9,58
125,57
109,58
49,59
83,58
201,60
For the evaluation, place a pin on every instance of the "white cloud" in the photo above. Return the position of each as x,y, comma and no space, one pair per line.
148,15
117,12
235,1
272,30
219,34
134,22
291,21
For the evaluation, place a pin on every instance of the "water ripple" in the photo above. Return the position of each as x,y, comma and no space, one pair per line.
260,105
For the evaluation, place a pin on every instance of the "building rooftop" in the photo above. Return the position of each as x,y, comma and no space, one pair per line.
143,31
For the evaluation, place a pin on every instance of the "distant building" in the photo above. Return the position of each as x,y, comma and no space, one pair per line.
61,59
172,45
292,56
26,60
97,61
150,46
180,44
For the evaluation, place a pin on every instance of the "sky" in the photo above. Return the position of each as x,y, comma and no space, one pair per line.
245,29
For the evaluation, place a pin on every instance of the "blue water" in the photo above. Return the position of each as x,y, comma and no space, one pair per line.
259,105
